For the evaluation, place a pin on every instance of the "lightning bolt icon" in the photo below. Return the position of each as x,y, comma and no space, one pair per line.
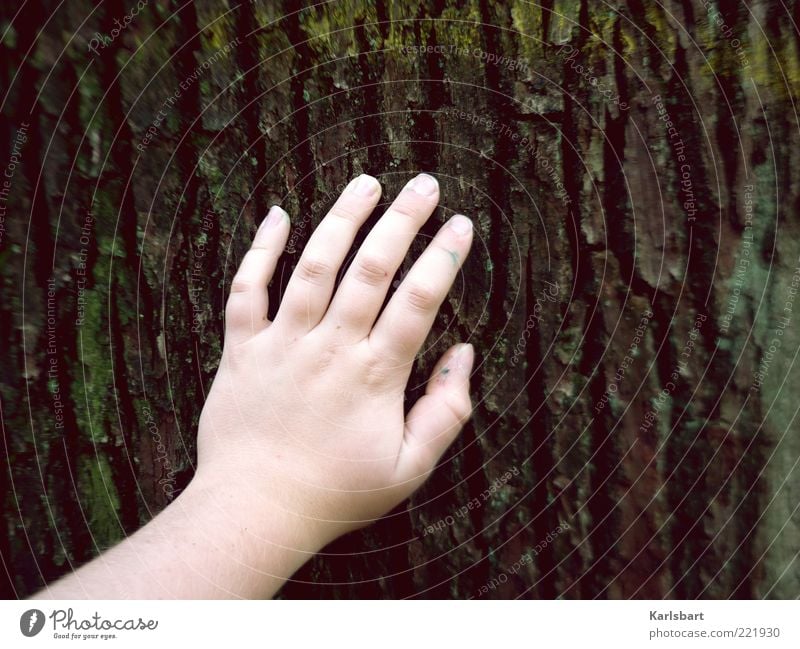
32,621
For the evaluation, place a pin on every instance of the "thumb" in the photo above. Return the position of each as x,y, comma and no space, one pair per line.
435,420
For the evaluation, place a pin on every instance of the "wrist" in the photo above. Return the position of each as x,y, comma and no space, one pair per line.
264,532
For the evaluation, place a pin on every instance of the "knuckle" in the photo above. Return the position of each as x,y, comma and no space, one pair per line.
313,270
377,374
406,208
241,285
346,211
460,405
237,355
372,269
421,298
239,312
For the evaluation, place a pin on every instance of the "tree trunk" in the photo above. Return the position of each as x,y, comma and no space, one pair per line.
631,302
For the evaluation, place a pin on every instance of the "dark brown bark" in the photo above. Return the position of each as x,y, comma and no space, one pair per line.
584,229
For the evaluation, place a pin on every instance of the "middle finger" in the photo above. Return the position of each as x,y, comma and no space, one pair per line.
361,293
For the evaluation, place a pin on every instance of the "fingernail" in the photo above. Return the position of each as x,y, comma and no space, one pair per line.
274,217
363,185
460,364
424,184
461,225
463,360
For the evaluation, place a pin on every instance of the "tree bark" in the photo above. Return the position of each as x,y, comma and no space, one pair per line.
631,291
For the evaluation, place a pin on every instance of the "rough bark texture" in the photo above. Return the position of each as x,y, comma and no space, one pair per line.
630,294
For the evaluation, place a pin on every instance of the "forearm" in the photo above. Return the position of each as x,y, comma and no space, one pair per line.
197,548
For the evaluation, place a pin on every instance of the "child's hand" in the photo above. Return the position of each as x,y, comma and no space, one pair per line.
305,418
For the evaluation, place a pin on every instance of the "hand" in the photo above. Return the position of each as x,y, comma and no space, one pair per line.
302,437
305,419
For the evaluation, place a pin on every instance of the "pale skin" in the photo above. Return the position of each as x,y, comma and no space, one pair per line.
303,436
